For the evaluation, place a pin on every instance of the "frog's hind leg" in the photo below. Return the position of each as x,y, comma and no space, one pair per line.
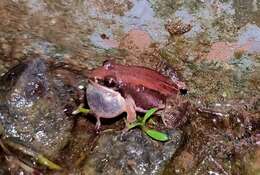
130,110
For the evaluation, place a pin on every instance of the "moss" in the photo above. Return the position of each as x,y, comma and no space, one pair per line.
167,7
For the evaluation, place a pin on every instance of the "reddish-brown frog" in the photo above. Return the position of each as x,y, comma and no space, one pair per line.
115,88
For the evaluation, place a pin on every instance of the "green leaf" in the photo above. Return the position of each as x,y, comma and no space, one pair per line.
157,135
44,161
148,114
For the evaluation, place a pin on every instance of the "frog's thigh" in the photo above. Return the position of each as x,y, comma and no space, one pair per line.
130,109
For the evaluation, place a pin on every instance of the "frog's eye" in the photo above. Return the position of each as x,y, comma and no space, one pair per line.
183,91
110,81
108,64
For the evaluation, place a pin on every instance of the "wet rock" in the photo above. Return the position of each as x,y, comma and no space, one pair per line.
32,109
256,162
221,51
248,41
131,153
3,167
250,38
136,40
247,11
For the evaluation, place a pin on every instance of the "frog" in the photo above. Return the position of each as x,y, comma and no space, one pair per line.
116,88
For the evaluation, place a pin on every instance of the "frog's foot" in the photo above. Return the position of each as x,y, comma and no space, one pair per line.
130,110
161,113
126,129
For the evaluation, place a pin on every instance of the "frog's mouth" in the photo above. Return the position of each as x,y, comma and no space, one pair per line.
111,82
106,83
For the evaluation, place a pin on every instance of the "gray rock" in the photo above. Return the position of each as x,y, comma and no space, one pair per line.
131,153
31,110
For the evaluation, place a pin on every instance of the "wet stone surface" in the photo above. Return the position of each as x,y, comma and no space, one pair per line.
131,153
31,109
213,45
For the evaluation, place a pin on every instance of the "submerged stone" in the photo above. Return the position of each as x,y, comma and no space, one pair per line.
131,153
31,109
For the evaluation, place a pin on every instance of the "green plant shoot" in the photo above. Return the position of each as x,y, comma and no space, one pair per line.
140,122
148,114
80,109
156,135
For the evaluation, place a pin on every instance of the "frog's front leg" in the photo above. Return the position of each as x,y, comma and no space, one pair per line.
130,108
98,123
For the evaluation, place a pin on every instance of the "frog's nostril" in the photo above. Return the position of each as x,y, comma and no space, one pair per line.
183,91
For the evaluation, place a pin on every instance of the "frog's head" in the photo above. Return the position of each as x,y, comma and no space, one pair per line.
103,73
